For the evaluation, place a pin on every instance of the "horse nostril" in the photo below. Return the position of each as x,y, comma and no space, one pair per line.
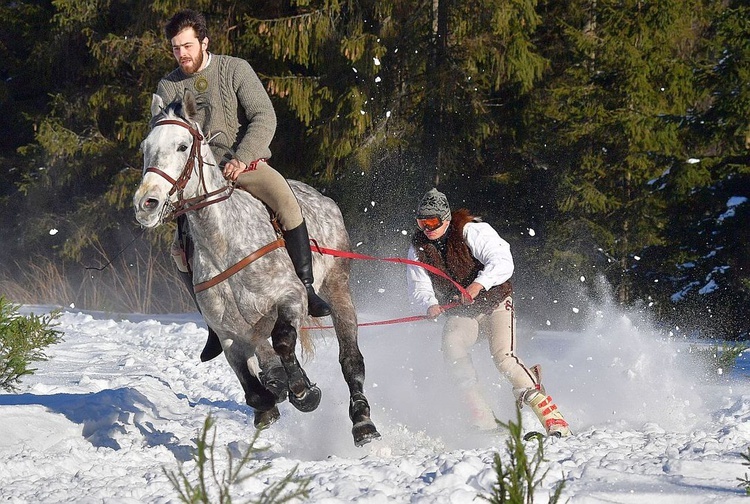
151,204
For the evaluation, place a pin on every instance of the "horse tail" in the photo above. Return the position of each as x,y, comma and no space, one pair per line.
306,342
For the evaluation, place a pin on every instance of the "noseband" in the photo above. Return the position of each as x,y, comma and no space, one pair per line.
183,205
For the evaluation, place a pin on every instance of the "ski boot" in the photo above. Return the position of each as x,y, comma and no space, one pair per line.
544,408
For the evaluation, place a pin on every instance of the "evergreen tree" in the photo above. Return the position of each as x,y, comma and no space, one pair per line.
398,96
99,67
88,70
702,275
579,120
610,120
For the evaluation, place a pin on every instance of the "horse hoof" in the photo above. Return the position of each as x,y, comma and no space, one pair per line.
308,401
264,419
364,432
275,381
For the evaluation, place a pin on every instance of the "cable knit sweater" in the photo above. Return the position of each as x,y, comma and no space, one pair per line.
232,102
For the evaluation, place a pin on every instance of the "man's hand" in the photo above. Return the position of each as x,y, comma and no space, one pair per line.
433,311
233,169
473,289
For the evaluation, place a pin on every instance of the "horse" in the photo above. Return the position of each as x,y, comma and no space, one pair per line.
246,287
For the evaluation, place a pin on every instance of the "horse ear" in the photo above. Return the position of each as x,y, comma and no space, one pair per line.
157,105
188,104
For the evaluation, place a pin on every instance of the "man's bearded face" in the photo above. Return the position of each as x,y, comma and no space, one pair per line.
188,50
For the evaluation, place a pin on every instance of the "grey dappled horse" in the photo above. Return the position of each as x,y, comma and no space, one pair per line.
265,298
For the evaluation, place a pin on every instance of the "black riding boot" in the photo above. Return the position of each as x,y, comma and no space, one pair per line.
213,347
298,246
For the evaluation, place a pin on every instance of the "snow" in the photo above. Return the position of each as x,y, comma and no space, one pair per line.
735,201
710,287
122,399
732,204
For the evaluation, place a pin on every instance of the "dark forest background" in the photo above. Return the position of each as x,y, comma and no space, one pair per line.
607,141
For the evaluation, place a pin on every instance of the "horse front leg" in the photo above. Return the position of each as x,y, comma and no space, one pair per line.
245,364
352,364
304,395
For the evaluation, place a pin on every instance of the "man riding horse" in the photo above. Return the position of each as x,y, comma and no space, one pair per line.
235,109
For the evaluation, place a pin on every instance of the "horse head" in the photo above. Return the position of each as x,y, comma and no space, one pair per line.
174,154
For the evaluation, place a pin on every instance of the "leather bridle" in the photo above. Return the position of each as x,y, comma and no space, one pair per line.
183,205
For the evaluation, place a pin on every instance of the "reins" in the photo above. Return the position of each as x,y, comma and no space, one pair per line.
401,320
354,255
315,247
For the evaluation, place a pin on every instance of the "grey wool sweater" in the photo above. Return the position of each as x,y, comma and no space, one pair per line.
232,102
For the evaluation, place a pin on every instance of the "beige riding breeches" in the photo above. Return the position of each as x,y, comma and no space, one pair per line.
499,328
269,186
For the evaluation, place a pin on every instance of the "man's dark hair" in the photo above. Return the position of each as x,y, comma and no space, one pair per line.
187,18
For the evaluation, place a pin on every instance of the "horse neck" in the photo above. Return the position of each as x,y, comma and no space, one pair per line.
227,224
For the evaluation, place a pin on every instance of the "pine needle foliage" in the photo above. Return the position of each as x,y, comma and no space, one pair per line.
23,340
718,361
616,130
94,120
745,481
708,275
521,475
621,91
359,74
214,485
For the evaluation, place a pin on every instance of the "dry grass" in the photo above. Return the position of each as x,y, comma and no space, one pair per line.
145,282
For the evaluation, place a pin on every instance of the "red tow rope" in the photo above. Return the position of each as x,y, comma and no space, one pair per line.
354,255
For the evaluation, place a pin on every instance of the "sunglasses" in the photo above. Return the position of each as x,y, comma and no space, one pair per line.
429,223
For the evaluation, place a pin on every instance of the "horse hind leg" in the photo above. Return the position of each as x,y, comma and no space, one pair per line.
351,360
303,394
363,428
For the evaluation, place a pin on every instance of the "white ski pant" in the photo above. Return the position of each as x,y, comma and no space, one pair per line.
499,328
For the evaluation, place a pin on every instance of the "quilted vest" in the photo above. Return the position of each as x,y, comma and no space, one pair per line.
451,255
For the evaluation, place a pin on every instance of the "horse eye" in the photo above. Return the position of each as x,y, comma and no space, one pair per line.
182,148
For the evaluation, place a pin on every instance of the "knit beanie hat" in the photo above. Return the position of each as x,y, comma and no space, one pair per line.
434,203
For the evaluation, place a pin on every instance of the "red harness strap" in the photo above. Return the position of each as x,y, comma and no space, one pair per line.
413,318
353,255
336,253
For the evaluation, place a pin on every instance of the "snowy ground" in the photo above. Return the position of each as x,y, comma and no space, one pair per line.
123,398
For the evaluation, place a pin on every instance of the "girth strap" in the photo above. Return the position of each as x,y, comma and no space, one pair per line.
278,243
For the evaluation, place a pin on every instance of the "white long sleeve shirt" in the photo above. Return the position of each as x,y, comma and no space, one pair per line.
484,244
